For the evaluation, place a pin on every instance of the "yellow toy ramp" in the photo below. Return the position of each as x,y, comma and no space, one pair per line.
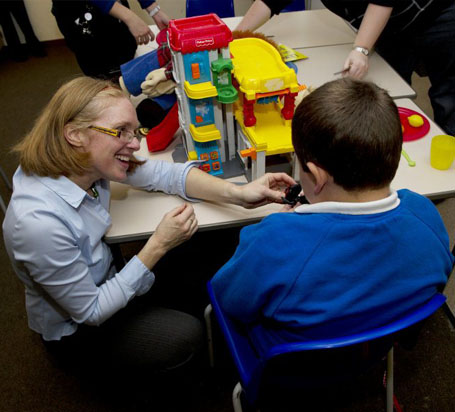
271,133
259,68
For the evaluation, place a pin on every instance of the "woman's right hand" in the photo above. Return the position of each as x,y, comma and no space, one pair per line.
176,227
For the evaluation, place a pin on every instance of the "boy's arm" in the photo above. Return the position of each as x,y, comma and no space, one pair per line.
373,23
244,285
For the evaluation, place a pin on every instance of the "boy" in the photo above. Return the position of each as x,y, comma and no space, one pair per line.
359,254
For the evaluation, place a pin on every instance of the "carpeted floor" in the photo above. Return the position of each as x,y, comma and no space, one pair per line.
30,381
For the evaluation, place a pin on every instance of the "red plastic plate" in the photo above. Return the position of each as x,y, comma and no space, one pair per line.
412,133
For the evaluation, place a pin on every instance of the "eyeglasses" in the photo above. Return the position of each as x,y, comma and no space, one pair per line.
124,135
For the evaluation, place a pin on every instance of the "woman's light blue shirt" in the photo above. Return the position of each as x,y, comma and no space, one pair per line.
53,233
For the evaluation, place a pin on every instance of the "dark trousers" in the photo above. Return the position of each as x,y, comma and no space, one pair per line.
139,338
434,48
100,43
16,8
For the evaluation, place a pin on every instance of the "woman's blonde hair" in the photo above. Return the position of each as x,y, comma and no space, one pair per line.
44,151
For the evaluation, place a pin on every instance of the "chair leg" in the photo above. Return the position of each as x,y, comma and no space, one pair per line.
2,205
389,384
5,179
208,325
236,401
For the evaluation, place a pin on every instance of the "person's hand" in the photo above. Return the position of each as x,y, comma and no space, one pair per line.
139,29
267,189
176,227
356,65
161,20
157,84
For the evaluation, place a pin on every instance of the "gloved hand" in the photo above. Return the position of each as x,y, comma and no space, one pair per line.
156,83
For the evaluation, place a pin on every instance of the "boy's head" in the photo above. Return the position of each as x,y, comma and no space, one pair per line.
352,130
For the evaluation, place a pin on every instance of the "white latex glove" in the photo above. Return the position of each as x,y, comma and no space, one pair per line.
356,65
156,83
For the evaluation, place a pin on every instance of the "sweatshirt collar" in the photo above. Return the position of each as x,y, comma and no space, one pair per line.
355,208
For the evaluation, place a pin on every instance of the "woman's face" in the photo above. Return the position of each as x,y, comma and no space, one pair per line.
110,155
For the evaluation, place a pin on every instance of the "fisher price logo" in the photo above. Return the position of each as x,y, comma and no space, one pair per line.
205,42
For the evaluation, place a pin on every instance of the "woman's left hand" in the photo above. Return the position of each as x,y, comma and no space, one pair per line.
267,189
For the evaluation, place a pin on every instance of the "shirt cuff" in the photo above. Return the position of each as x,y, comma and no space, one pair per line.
137,276
188,166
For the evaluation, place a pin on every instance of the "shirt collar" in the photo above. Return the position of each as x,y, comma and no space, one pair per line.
65,188
355,208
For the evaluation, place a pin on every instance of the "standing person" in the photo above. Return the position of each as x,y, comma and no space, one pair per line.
18,52
105,34
360,254
410,34
58,215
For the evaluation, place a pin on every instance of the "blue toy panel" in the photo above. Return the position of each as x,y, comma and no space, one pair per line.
210,153
197,67
201,111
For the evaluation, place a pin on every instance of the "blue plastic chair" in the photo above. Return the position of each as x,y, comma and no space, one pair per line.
290,365
296,5
223,8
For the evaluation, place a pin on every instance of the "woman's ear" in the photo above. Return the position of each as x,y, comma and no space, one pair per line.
74,137
319,175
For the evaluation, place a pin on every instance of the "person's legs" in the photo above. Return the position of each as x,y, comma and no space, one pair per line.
15,49
19,12
138,339
437,45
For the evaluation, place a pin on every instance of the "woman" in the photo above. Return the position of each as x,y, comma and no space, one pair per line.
58,215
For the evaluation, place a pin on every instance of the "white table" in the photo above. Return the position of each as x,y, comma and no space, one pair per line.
136,213
324,61
422,178
309,28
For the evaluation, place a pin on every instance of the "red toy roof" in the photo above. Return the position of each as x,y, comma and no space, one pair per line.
193,34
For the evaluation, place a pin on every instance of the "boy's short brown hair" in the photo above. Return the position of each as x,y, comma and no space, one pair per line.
352,130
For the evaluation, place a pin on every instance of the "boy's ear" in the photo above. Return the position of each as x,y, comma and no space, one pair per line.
320,177
74,136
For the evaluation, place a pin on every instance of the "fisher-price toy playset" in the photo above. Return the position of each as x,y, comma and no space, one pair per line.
235,98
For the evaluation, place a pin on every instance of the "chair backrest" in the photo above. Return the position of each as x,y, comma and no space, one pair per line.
288,363
296,5
223,8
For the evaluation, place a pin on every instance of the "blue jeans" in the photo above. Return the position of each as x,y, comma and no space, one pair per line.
434,47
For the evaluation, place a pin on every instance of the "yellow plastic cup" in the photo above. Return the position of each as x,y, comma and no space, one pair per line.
442,151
